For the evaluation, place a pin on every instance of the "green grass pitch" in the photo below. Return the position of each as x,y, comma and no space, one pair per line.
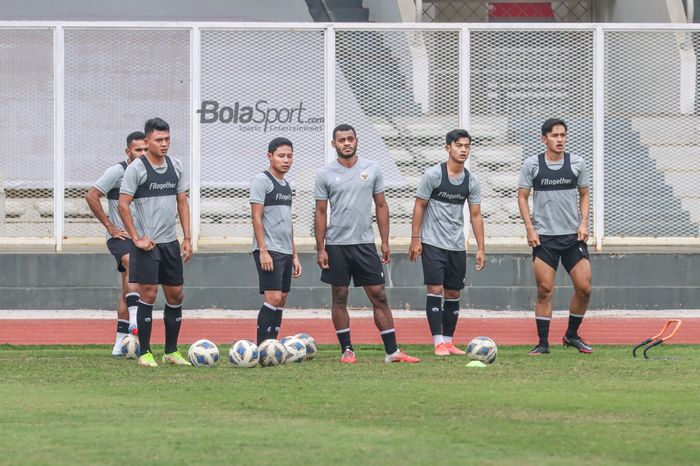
77,405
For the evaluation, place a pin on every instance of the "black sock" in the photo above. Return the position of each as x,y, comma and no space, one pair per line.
132,299
389,339
267,317
344,339
574,323
433,310
144,317
450,314
278,323
122,326
543,330
172,317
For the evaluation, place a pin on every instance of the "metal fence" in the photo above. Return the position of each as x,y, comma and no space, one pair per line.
71,92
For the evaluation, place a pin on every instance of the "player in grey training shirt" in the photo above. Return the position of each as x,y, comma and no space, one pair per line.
274,251
437,233
157,185
118,241
557,230
345,246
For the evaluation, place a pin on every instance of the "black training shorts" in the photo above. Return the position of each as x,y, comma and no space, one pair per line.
359,261
119,248
280,279
444,267
160,266
565,247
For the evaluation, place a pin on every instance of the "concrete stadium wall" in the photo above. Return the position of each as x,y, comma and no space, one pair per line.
228,280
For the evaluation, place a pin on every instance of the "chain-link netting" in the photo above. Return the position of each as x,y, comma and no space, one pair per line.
652,134
115,80
258,85
518,80
479,11
26,132
400,90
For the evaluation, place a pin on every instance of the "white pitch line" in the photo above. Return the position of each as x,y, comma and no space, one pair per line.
20,314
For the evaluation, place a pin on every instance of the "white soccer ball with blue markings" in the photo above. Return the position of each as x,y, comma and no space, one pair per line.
296,349
310,343
203,353
272,353
482,349
244,353
130,347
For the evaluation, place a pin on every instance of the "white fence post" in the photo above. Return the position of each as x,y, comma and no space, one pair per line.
465,110
195,133
58,135
599,138
329,83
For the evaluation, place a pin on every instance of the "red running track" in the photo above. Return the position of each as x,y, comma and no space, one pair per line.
505,331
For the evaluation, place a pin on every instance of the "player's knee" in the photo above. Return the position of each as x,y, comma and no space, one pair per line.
452,294
148,294
125,261
434,289
584,291
544,292
340,297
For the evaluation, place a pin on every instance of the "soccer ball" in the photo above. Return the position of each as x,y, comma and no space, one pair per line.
310,343
244,353
296,349
130,347
272,353
482,349
203,353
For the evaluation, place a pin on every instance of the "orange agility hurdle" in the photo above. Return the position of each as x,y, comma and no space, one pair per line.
657,339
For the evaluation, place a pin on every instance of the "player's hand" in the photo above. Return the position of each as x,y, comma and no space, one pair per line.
415,249
386,253
582,233
480,260
117,233
296,267
145,243
186,250
322,259
266,261
533,239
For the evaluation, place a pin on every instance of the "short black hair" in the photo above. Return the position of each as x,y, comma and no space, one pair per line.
457,134
135,136
278,142
155,124
344,127
550,123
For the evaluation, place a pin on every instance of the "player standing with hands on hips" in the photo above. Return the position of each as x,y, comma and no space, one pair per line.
345,247
557,230
437,234
158,186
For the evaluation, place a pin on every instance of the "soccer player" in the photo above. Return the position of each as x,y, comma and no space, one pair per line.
345,246
437,234
557,230
157,185
274,251
118,241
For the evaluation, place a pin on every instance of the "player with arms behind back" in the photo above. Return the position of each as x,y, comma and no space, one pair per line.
274,251
557,230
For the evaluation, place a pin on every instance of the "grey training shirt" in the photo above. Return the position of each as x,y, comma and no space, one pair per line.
109,184
157,214
443,222
277,216
349,192
554,212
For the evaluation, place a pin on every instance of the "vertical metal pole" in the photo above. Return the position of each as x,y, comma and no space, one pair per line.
58,135
599,138
465,101
419,11
329,83
195,133
690,11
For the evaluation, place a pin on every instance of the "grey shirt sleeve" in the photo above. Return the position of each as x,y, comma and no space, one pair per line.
321,189
132,178
580,166
427,184
378,182
260,185
474,190
111,178
528,173
183,183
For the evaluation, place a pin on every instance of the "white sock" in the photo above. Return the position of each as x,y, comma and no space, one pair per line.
437,339
447,339
132,315
118,343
